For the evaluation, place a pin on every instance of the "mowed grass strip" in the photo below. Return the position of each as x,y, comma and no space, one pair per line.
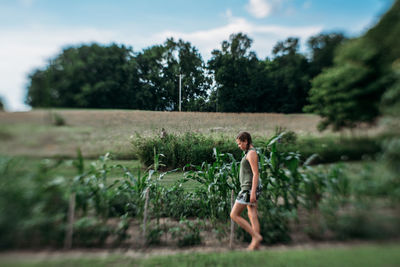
353,256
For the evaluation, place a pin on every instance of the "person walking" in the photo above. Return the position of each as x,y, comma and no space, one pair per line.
250,185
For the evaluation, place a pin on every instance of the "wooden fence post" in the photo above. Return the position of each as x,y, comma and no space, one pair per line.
71,218
146,205
232,236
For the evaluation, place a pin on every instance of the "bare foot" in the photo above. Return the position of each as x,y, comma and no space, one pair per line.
255,242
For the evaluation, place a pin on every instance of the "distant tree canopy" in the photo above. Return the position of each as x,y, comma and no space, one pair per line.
233,80
87,76
350,91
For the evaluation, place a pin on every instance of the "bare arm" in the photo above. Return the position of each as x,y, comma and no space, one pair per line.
252,157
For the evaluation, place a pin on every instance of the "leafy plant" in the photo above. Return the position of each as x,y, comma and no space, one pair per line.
187,233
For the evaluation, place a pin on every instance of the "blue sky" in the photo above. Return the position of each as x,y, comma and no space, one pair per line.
32,31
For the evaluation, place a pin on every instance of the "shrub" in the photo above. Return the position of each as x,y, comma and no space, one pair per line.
58,120
187,233
331,149
359,219
90,232
191,148
180,150
153,236
33,207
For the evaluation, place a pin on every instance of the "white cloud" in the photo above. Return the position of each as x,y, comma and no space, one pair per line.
263,8
259,8
264,36
26,3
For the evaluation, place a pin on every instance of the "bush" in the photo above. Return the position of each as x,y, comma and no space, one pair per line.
32,207
57,119
187,233
153,236
359,219
179,150
331,149
90,232
191,148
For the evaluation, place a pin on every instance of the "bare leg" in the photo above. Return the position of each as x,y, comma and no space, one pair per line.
235,215
253,216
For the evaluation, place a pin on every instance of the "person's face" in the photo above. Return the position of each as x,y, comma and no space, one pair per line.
241,144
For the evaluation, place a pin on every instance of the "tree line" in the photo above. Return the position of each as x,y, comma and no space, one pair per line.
233,80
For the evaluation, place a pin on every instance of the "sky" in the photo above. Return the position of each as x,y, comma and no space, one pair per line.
34,31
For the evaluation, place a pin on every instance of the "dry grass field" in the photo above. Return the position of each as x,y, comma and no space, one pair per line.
98,131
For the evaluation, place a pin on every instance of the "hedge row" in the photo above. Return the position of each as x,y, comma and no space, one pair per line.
177,151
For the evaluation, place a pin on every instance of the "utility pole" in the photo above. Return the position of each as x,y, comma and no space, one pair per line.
180,92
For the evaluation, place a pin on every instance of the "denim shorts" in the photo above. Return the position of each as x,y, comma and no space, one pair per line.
244,195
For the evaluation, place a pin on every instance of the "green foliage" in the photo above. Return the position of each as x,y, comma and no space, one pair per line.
344,208
359,219
332,149
90,232
58,120
216,181
278,85
239,76
179,150
154,234
187,233
323,47
88,76
95,76
114,76
32,208
174,151
349,92
342,94
159,67
289,78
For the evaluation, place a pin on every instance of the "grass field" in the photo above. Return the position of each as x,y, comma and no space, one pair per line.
99,131
340,256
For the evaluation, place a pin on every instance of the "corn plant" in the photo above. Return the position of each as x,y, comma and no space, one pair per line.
216,181
279,173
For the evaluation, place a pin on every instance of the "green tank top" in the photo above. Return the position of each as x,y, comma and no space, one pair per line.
246,174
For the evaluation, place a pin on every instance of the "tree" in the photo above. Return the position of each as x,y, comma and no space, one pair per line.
344,94
183,58
88,76
289,77
159,68
322,48
151,95
237,71
349,92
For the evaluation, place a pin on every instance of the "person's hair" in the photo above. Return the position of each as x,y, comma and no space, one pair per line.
245,136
